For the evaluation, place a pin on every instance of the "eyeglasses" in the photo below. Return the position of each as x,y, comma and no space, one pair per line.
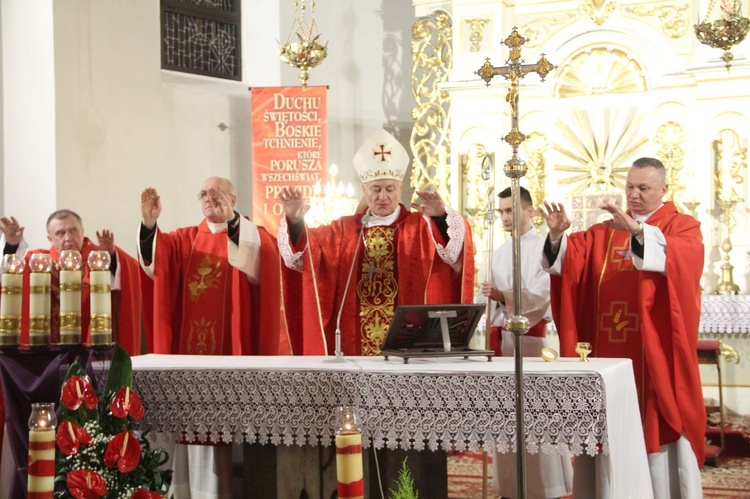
202,195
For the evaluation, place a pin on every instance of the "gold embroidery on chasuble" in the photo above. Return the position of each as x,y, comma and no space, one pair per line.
377,288
203,316
619,321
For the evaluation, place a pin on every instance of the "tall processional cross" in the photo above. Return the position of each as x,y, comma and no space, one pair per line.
515,168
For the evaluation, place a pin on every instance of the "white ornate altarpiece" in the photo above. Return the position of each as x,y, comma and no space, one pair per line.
631,80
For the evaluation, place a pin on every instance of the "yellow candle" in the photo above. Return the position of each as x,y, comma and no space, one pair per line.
39,308
10,309
41,463
349,471
101,307
70,306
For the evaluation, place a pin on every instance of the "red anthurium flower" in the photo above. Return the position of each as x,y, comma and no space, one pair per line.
127,402
145,494
77,390
124,450
86,484
70,436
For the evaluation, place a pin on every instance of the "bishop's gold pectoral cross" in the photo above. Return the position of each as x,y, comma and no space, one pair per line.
513,71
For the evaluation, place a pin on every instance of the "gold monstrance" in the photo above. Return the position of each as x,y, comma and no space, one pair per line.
515,168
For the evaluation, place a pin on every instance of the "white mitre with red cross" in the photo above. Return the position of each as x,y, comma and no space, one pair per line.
381,157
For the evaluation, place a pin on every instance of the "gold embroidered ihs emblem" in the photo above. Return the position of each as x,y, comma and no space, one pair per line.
201,337
207,276
377,288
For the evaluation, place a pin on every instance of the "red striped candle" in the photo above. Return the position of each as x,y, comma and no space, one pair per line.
41,468
349,473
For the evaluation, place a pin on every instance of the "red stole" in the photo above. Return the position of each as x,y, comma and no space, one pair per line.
197,304
648,317
126,318
317,295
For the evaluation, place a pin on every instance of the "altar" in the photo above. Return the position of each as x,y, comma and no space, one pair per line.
589,408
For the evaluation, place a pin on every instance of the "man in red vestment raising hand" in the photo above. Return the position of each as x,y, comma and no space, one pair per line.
65,232
630,286
354,272
196,303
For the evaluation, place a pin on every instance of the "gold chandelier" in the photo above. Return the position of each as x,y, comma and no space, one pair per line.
303,49
725,32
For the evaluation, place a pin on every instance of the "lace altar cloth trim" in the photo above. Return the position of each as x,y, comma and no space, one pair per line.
410,410
725,314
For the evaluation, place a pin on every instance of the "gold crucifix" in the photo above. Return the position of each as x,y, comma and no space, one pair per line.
514,70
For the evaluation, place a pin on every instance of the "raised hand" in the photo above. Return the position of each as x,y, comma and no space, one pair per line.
620,220
150,207
295,205
106,241
432,204
11,229
556,218
221,203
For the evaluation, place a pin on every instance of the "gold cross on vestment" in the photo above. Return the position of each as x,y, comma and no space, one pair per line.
513,71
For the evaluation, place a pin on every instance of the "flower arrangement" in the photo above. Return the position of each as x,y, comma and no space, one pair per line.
99,454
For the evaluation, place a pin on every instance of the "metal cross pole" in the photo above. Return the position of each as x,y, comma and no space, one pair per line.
515,168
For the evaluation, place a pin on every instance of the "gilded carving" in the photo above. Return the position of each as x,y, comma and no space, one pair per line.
432,58
535,146
600,70
476,33
671,138
539,29
598,10
673,18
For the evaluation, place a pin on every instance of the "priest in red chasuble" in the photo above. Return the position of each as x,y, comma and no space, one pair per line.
197,303
630,286
65,232
200,304
355,271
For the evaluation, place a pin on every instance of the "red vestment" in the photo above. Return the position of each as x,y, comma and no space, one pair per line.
315,298
198,304
126,318
648,317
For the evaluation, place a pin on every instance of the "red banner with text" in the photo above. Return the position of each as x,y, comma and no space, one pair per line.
290,146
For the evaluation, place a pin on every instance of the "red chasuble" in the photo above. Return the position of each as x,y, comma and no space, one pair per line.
203,306
648,317
394,265
126,318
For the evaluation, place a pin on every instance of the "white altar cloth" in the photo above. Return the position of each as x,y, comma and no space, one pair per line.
590,408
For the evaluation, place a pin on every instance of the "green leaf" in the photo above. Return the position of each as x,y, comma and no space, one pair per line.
404,484
120,370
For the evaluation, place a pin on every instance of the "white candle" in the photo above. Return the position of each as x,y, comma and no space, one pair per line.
10,309
70,306
39,308
101,307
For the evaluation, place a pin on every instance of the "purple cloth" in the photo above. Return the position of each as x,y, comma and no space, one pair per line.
29,376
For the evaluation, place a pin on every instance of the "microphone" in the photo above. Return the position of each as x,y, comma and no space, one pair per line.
338,352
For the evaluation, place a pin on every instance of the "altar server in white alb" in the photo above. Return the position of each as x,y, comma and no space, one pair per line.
546,475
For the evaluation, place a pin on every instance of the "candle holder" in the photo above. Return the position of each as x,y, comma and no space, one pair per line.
10,304
40,265
41,467
71,263
349,470
101,300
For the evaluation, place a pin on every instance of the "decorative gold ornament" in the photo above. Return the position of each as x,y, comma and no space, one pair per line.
302,48
671,137
476,33
432,60
673,18
726,32
599,10
599,71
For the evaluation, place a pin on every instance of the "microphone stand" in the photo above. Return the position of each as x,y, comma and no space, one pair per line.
339,355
